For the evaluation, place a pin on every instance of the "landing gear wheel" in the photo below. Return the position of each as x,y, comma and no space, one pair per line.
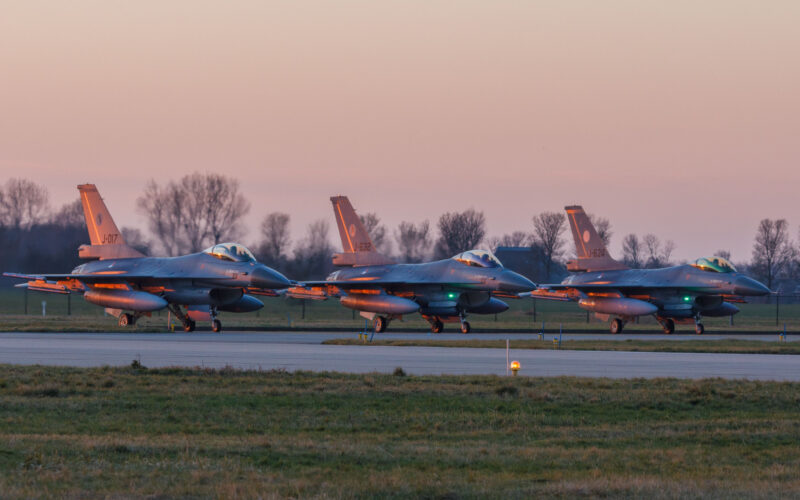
437,326
465,327
216,326
669,326
699,328
380,324
616,326
126,319
189,326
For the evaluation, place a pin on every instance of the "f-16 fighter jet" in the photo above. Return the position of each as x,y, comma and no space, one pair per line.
223,277
442,291
679,294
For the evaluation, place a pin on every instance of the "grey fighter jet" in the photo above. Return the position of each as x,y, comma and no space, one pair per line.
679,294
129,285
380,289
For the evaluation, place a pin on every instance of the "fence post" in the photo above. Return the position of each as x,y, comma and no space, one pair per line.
69,304
26,301
777,308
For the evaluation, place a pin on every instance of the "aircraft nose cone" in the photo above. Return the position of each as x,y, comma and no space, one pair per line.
514,283
749,287
264,277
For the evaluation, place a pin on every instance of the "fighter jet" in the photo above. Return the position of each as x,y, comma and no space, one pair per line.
380,289
678,294
223,277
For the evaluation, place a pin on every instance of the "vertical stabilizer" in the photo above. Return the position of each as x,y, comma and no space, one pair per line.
107,240
590,249
357,246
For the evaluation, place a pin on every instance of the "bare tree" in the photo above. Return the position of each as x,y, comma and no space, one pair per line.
163,208
377,232
312,257
69,215
547,235
413,241
515,239
198,210
772,250
23,203
666,252
134,238
459,231
725,254
275,242
603,228
632,251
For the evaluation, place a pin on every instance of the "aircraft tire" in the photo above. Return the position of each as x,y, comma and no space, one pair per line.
699,328
437,326
465,328
616,326
380,324
216,326
669,326
189,326
125,319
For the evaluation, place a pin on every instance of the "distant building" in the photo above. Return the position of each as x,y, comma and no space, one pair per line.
529,262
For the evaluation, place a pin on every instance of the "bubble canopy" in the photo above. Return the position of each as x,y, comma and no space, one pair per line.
233,252
478,258
714,265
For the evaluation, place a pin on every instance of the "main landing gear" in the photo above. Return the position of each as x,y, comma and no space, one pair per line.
465,328
188,323
381,322
617,325
126,319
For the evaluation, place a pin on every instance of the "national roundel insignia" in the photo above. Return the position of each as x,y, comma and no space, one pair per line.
99,219
352,230
586,236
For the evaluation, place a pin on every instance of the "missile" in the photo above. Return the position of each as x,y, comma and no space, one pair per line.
618,306
381,304
129,300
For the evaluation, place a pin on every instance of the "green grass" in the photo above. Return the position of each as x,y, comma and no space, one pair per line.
123,432
281,313
715,346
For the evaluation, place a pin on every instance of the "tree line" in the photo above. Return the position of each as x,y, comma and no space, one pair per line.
201,209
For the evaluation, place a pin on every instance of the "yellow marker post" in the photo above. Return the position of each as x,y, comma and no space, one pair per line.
515,366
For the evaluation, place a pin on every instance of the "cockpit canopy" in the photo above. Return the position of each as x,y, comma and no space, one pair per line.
478,258
232,252
714,265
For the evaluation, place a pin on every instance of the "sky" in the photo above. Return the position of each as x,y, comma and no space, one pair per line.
678,118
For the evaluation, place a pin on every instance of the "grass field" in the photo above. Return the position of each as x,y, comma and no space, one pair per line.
128,432
281,313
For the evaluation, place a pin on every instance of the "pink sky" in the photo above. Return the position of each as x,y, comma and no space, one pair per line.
678,118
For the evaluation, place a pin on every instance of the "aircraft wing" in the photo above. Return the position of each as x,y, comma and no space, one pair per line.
577,291
103,278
